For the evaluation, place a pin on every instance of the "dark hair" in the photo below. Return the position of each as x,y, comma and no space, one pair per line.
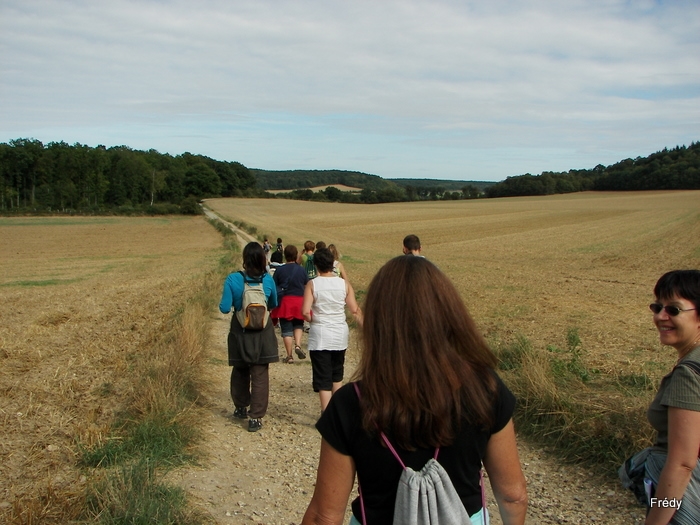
320,245
683,283
290,253
309,246
276,257
411,242
323,259
279,241
424,366
254,260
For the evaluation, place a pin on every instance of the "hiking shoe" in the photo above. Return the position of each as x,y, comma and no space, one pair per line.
254,424
240,413
300,353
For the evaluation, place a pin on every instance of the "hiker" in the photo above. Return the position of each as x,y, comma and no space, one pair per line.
427,379
306,259
325,298
267,248
338,267
671,469
290,279
279,247
411,245
276,260
250,351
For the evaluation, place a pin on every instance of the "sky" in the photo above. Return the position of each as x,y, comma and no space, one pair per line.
462,90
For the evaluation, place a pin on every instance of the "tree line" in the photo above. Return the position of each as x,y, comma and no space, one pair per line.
668,169
60,177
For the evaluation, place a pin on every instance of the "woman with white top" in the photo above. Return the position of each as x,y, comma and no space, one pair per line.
325,298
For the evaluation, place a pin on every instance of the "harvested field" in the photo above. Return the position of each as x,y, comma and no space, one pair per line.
535,266
79,299
341,187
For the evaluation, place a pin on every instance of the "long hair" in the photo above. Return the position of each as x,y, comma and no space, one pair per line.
254,260
424,365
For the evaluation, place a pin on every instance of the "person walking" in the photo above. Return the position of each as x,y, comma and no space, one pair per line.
325,299
426,381
290,280
250,351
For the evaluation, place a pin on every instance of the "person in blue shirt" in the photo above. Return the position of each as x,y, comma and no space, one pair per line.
250,351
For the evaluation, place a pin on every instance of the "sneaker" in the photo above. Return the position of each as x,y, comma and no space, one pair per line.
300,353
254,424
240,413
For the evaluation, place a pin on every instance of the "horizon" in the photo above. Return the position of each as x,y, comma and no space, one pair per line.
450,91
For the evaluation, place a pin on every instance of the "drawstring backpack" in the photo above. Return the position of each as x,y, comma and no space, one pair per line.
426,497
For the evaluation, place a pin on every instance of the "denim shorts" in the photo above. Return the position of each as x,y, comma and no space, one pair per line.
287,326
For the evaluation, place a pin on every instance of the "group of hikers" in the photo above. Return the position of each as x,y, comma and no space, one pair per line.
425,409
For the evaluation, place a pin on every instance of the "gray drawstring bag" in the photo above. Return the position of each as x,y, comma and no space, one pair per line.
426,497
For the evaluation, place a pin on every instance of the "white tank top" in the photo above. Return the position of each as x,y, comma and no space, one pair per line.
328,329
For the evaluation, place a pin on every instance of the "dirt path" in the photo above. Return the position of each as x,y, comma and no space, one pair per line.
268,476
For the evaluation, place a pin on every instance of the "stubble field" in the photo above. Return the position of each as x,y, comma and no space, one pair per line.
534,269
80,298
535,266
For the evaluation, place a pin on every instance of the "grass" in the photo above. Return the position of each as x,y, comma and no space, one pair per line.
559,402
157,427
133,494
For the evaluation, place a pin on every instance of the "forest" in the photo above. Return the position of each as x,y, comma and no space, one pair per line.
58,177
668,169
62,178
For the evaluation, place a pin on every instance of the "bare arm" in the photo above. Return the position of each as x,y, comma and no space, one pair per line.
342,272
308,301
683,444
334,481
507,480
351,303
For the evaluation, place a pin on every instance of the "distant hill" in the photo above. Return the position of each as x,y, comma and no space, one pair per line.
300,179
448,185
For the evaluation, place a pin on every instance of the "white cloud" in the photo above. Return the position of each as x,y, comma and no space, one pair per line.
392,88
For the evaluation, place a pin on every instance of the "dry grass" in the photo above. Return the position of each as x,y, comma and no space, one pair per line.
531,267
83,301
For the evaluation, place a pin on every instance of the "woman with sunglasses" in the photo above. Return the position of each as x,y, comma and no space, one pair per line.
672,465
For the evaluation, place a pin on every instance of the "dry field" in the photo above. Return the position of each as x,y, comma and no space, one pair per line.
79,299
341,187
531,266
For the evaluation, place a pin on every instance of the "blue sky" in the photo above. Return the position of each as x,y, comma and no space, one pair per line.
442,89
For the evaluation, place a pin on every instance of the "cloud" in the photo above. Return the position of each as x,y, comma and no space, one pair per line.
344,84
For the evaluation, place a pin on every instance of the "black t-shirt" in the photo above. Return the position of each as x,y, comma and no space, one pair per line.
379,472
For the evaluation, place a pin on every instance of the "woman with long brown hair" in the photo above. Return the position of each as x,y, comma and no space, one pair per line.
426,380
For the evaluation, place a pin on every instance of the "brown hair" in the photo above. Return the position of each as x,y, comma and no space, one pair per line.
290,253
424,365
334,251
309,246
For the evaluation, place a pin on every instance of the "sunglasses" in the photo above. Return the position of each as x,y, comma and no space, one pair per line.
671,310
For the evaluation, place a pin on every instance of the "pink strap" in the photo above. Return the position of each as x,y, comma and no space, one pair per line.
398,458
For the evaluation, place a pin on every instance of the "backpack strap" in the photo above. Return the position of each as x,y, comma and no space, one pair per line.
248,279
403,466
